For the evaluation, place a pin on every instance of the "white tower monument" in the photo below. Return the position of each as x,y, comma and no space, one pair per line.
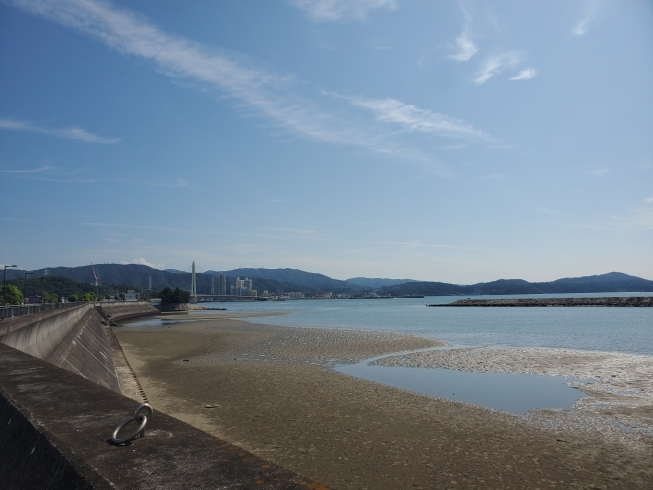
193,286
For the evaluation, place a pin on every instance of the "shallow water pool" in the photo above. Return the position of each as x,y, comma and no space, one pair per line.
509,392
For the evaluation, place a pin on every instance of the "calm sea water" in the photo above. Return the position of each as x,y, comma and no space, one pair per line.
628,330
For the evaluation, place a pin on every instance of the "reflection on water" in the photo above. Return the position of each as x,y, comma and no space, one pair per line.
613,329
502,391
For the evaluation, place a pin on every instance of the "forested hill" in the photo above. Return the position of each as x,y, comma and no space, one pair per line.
276,281
376,282
304,281
286,280
612,282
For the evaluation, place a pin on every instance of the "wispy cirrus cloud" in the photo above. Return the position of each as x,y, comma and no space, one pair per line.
27,171
525,74
591,9
414,118
46,173
464,44
179,182
649,200
266,94
329,10
78,134
496,64
637,218
599,172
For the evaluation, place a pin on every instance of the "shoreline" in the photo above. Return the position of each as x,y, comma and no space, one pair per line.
273,392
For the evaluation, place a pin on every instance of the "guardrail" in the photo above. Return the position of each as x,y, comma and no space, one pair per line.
20,310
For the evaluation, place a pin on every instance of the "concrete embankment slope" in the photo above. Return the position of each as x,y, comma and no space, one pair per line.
74,339
54,428
121,311
79,340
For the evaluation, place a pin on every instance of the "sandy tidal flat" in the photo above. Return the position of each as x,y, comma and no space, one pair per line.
272,390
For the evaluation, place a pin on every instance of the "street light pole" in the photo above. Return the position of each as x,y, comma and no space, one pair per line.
25,283
4,285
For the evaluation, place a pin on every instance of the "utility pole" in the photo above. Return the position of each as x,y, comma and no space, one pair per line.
25,284
4,285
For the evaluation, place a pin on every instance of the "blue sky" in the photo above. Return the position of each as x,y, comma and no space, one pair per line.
447,141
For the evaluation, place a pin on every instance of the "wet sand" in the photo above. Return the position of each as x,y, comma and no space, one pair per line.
619,386
272,391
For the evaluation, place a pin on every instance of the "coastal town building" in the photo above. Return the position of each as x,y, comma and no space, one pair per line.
243,287
223,284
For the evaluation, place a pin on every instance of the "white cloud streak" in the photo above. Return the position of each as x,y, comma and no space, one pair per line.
497,64
464,44
648,200
78,134
591,9
525,74
599,171
330,10
28,171
414,118
177,183
142,261
178,57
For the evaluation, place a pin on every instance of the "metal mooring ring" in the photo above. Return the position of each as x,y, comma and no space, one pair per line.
141,428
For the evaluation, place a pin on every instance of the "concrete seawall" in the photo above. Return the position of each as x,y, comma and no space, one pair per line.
54,431
79,340
121,311
73,339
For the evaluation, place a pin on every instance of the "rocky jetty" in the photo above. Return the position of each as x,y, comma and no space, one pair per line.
626,301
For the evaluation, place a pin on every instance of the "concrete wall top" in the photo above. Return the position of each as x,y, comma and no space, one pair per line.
120,311
10,324
54,431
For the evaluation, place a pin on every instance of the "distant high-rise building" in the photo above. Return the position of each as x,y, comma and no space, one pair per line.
193,284
223,284
149,287
212,285
243,287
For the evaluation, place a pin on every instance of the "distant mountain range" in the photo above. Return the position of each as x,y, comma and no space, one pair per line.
310,282
613,282
375,282
278,281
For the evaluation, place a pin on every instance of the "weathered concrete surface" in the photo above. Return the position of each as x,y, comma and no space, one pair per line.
629,301
12,324
121,311
73,339
61,424
129,384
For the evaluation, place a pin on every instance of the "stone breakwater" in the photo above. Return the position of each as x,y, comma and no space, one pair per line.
629,301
